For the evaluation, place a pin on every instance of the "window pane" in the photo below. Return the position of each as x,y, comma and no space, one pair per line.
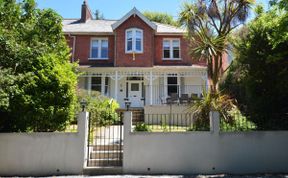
176,44
166,48
96,84
138,34
138,45
172,80
166,44
129,40
166,53
94,52
96,80
129,45
172,89
129,34
94,43
176,53
134,86
104,49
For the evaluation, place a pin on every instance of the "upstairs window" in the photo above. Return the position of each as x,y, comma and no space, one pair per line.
134,40
99,48
171,49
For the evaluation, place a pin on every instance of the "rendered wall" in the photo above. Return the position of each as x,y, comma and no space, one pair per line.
43,153
204,152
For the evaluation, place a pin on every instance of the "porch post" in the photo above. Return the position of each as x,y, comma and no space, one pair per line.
151,89
89,84
165,86
116,86
103,85
179,85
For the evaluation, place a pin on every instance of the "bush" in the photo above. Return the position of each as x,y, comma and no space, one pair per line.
102,109
142,127
37,80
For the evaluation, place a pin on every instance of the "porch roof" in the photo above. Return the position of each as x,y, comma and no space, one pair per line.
194,70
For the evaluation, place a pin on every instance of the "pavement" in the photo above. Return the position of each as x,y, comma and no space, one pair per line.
177,176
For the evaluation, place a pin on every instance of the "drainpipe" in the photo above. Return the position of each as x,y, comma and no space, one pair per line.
73,46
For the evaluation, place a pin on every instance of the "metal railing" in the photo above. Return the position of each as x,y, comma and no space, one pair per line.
160,93
173,122
105,142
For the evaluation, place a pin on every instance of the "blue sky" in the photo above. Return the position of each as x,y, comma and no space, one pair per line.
114,9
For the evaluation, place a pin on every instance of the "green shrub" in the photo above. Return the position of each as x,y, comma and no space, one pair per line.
101,108
142,127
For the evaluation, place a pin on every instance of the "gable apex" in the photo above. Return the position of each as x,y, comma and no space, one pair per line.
134,11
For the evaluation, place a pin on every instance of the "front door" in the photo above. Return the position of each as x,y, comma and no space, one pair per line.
135,93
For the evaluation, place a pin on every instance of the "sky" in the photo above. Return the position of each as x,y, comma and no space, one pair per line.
115,9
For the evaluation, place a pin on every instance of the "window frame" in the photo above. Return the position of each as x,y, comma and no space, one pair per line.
171,49
99,48
133,50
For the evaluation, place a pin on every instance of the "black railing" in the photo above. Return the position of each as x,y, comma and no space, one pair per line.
105,142
180,122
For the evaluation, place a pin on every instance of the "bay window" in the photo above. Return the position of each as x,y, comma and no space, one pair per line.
134,40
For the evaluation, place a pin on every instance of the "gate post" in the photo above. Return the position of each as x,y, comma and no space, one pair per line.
214,121
83,121
127,120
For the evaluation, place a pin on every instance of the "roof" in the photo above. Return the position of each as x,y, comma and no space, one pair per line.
74,26
105,26
134,11
90,26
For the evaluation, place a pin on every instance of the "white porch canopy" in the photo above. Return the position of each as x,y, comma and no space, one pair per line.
148,73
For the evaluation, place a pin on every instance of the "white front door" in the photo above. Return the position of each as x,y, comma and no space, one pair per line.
135,93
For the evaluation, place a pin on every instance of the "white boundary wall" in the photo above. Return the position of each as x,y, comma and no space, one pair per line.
44,153
204,152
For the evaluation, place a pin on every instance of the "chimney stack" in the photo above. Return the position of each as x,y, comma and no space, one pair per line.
85,12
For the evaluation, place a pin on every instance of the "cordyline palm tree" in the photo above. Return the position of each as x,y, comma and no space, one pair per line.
209,23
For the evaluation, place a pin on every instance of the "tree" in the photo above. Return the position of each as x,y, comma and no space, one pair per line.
161,17
258,79
37,81
209,24
98,15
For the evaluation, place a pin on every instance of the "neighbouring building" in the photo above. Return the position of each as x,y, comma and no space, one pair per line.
133,59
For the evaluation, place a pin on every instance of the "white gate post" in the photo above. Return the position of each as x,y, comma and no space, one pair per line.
83,124
214,121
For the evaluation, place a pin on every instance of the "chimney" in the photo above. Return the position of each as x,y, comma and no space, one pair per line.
85,12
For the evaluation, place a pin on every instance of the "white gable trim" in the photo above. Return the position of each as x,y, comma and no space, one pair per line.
134,11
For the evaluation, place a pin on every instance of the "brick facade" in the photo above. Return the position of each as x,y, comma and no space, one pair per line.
152,48
144,59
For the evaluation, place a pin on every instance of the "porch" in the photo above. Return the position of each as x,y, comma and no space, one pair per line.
140,87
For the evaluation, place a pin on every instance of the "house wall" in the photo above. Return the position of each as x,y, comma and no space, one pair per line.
204,152
82,50
29,154
144,59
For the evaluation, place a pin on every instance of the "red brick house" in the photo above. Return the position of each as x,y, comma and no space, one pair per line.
133,59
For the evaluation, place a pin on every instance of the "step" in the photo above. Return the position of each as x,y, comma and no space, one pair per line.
104,163
106,154
107,147
103,170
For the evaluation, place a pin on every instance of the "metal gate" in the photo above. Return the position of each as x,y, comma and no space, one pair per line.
105,141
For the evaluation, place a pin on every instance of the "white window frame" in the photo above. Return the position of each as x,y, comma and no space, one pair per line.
171,49
133,30
99,49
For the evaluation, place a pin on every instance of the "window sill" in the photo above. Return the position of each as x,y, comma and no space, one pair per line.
100,59
171,59
131,52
